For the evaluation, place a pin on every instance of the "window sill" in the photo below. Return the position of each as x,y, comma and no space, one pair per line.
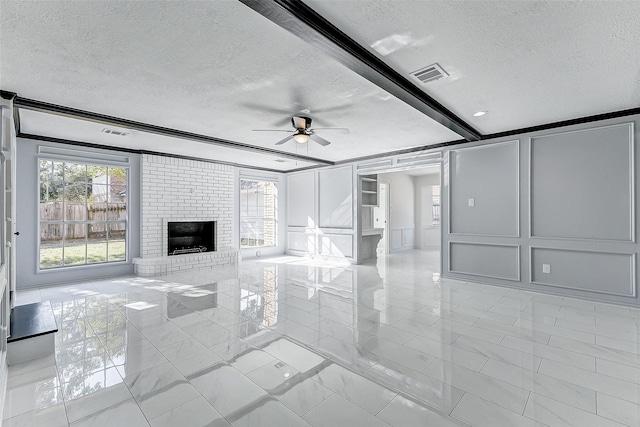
81,267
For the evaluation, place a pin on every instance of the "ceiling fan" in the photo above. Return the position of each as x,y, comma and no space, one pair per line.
303,132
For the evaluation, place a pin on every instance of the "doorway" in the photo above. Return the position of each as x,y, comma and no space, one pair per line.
410,212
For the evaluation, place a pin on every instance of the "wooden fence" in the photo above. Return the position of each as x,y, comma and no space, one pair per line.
53,211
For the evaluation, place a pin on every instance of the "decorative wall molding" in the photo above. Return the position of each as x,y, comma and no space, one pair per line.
632,174
632,273
518,269
518,198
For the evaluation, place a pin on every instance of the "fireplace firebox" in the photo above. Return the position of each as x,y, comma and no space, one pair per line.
191,237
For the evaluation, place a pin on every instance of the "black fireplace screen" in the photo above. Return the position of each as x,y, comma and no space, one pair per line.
191,237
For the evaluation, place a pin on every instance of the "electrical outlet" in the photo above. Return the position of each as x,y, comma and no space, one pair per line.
258,253
546,268
472,202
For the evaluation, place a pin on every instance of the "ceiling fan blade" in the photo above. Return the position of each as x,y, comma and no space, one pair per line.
265,108
271,130
282,122
337,130
322,122
282,141
297,98
334,108
319,140
300,122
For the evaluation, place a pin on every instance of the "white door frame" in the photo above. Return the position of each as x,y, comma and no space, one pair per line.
387,214
398,168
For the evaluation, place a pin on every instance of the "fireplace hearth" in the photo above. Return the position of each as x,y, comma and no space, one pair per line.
189,237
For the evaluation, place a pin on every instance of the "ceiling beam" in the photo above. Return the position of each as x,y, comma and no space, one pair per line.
302,21
43,107
136,151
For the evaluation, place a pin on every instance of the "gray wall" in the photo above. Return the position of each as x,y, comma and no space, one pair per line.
27,219
320,212
563,199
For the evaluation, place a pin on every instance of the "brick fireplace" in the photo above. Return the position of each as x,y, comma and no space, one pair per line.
180,190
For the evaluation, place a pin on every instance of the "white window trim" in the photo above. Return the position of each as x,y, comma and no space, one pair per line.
112,162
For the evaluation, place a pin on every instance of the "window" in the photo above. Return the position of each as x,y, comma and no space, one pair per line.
83,214
258,213
435,205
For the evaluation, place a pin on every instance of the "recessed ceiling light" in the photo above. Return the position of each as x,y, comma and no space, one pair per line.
479,113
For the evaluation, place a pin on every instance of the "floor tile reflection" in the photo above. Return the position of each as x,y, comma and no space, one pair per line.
294,341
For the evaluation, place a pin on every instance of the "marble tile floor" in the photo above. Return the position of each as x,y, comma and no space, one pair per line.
296,342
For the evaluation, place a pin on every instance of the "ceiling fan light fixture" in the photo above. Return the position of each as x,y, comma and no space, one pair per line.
301,138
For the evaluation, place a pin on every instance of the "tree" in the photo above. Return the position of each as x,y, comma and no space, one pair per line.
74,181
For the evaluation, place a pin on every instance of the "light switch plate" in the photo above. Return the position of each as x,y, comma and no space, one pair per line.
472,202
546,268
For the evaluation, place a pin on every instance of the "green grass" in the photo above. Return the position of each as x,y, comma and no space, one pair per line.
51,256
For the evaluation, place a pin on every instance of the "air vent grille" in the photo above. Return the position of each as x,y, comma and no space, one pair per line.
115,132
429,74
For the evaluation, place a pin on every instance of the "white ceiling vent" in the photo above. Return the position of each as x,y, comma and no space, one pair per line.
115,132
431,73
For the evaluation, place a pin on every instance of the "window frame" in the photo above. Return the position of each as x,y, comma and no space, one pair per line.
436,208
64,159
275,213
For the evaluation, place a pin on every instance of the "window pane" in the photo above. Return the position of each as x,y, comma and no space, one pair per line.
75,246
75,211
98,193
51,211
51,190
75,206
97,243
46,170
50,245
258,209
435,205
45,190
76,193
117,211
58,171
97,211
248,232
96,252
117,241
118,182
269,233
75,173
97,174
98,231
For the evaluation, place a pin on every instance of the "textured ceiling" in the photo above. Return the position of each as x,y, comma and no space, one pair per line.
220,69
525,62
214,68
35,123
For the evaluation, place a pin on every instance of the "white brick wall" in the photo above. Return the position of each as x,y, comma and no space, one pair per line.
147,267
178,189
